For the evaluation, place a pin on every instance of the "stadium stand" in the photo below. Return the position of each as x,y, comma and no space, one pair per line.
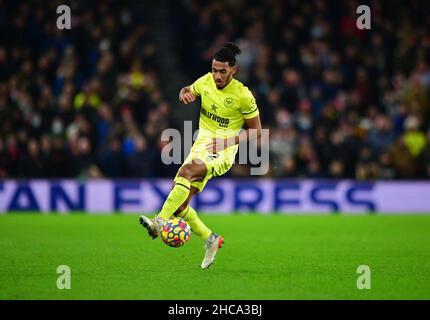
339,102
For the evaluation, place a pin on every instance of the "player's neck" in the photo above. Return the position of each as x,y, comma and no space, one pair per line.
231,79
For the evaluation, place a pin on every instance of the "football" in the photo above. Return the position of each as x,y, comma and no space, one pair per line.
175,232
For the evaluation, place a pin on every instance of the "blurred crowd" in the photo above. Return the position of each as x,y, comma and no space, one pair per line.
83,102
339,102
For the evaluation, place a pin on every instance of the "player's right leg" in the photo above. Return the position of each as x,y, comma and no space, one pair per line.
188,173
212,241
212,244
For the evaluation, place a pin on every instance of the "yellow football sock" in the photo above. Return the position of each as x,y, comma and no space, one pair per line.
176,197
197,225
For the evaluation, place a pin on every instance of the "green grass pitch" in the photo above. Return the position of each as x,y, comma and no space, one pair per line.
264,257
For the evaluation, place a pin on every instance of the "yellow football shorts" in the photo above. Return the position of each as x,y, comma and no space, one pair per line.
216,164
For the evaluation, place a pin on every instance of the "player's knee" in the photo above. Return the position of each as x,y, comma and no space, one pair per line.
187,172
193,172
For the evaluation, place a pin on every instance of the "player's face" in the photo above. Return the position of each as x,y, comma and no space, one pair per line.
222,73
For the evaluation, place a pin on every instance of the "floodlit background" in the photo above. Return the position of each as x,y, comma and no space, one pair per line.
81,116
92,101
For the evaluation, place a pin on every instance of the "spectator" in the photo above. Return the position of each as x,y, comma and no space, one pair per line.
342,88
340,102
414,139
139,162
64,91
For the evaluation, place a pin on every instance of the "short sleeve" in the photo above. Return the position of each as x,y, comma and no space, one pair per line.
196,87
248,106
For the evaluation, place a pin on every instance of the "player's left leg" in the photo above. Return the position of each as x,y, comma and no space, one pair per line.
186,212
188,173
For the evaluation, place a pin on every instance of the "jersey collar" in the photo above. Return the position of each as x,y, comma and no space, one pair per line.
213,81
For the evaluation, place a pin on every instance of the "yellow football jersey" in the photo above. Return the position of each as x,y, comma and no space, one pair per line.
223,111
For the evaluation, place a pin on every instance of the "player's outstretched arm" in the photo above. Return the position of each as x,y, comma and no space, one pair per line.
186,95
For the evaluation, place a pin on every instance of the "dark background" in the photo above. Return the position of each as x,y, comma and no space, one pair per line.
92,101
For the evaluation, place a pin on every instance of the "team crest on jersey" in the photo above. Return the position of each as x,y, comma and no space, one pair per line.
228,102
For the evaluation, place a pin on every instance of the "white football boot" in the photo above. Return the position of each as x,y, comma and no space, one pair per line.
212,244
152,225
